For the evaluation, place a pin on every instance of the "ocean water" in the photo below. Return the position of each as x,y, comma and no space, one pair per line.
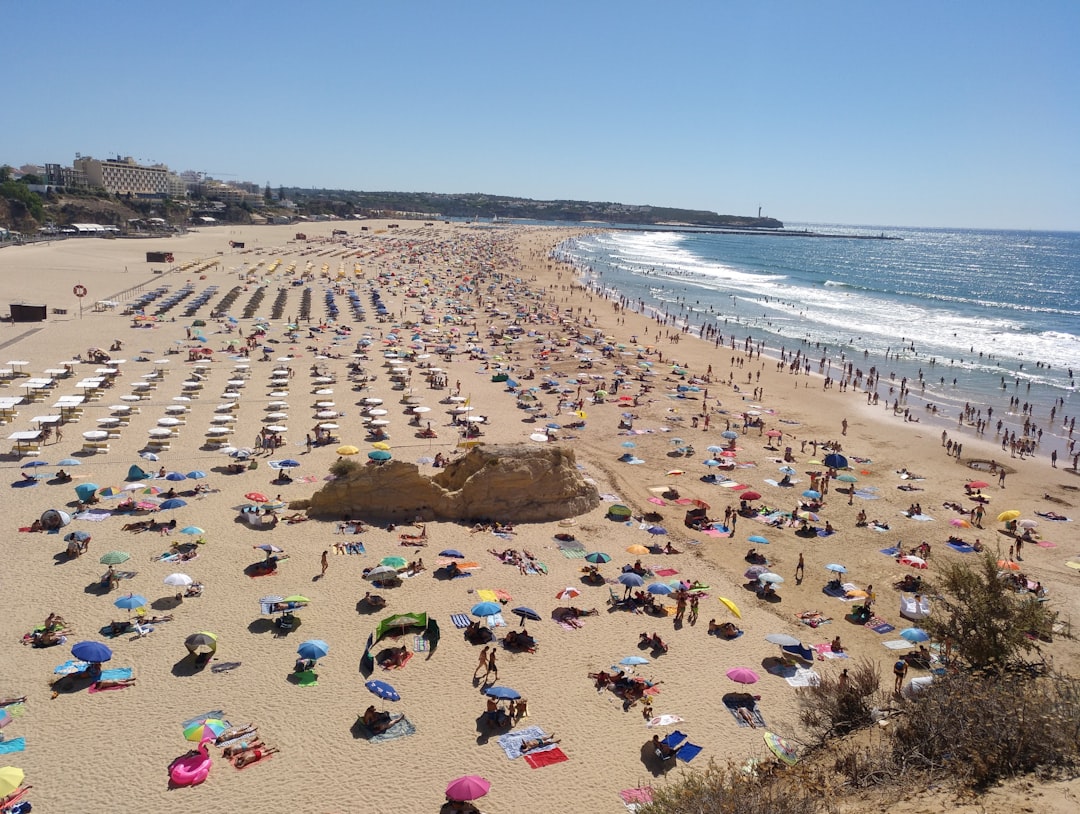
982,315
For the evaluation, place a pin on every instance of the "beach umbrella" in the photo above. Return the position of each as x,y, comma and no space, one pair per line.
385,447
847,478
379,455
628,444
486,609
208,729
173,503
452,552
750,495
201,639
774,434
770,577
1011,514
470,787
633,661
192,530
313,649
637,549
783,750
597,557
1027,524
348,449
114,558
813,518
677,442
788,470
783,639
742,675
178,580
10,779
813,494
288,463
383,690
77,536
731,435
913,561
711,462
659,589
834,460
130,601
196,474
34,464
914,635
1008,565
257,497
657,530
960,523
755,571
757,538
977,484
715,448
175,476
836,567
149,456
568,592
93,652
149,490
69,462
631,580
731,606
502,693
526,613
380,572
394,562
110,492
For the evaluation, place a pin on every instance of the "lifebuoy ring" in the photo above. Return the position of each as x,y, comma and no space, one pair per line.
80,291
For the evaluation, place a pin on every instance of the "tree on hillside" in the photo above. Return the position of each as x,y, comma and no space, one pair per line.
989,624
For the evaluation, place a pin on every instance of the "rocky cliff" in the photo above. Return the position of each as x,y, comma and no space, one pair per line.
508,483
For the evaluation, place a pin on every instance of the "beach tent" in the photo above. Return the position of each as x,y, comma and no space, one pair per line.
135,472
399,622
619,512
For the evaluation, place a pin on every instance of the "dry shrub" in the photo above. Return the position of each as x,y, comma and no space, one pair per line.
833,708
730,789
979,729
343,467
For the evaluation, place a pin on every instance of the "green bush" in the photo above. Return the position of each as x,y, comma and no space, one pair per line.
343,467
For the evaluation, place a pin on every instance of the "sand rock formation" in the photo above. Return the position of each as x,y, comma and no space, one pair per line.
509,483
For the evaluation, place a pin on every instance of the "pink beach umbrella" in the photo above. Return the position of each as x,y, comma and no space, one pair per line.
742,675
913,561
470,787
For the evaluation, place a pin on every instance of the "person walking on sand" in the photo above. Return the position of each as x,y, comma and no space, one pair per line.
482,664
899,672
800,570
492,667
843,427
325,563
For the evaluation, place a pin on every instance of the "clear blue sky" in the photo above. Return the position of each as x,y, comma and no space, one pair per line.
919,113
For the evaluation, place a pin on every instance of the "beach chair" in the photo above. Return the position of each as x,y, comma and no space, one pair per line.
141,630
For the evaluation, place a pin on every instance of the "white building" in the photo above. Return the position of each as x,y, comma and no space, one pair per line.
122,176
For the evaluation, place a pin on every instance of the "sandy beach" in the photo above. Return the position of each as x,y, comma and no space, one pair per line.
445,281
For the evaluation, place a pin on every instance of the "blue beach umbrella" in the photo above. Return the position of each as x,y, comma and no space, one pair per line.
731,435
173,503
835,460
192,530
631,580
502,693
85,491
657,530
813,494
313,649
597,557
836,568
69,462
629,444
197,474
486,609
379,455
94,652
175,476
714,448
631,661
712,462
787,470
289,463
383,690
452,552
757,538
526,613
911,634
660,589
130,601
32,464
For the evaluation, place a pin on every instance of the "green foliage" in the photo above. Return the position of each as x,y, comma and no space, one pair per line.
731,790
18,194
986,621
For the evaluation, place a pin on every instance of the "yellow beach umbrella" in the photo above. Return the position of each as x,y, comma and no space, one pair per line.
348,449
1005,517
381,445
637,549
10,779
731,606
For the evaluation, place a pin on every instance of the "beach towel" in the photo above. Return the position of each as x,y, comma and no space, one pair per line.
573,553
866,494
420,644
460,620
804,677
511,741
755,713
307,678
825,651
568,626
634,798
225,667
890,552
663,720
398,730
922,518
535,568
93,688
835,591
881,627
309,478
688,751
665,572
898,644
16,710
488,595
214,713
13,745
496,620
117,673
545,757
93,515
